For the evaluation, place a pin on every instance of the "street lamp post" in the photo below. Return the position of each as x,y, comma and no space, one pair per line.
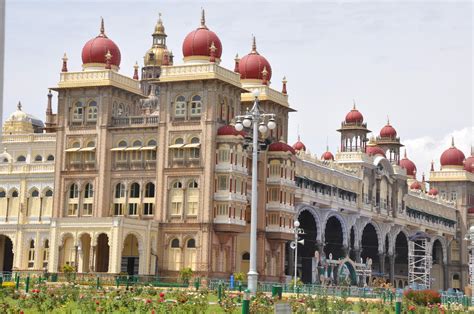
294,245
260,122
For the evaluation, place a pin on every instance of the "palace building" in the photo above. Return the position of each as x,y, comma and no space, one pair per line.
146,174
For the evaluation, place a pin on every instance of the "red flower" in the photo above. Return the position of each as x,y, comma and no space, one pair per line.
148,301
411,308
97,302
162,294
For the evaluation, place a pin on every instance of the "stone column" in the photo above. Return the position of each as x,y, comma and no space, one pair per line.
92,258
392,267
382,263
445,276
345,251
357,252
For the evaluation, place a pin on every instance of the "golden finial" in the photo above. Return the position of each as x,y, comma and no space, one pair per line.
102,28
284,81
65,57
19,106
236,57
354,104
159,18
452,141
203,18
405,154
388,120
254,44
136,65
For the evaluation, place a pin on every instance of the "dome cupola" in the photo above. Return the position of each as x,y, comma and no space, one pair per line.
197,44
280,147
154,56
452,157
408,165
388,131
354,116
254,66
95,50
415,185
469,162
327,155
299,145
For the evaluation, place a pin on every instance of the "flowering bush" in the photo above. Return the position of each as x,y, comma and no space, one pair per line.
422,297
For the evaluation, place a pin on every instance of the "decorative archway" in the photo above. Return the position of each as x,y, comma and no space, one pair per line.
130,262
437,269
370,245
84,253
401,256
334,237
6,253
306,251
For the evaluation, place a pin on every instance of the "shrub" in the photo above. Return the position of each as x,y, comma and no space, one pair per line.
423,297
239,276
185,274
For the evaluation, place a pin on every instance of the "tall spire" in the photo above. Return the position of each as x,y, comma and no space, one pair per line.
405,154
203,18
452,141
19,106
64,68
236,66
388,120
283,89
354,104
254,44
135,71
102,28
49,106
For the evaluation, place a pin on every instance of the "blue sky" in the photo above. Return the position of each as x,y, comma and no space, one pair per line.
411,61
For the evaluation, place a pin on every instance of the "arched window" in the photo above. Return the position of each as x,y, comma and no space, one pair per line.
246,256
174,257
15,194
21,158
122,144
50,158
135,190
190,254
456,282
150,150
45,253
92,111
38,158
78,112
136,153
195,150
5,160
149,204
137,143
176,196
73,202
48,193
2,194
31,254
120,110
178,148
180,107
192,198
88,200
134,199
150,190
196,106
119,190
191,243
35,193
151,143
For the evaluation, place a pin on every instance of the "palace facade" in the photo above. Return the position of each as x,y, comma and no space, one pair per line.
147,175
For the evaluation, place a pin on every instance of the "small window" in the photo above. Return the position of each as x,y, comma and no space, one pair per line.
38,158
5,159
48,193
151,143
246,256
137,144
196,106
15,193
92,111
180,107
175,243
119,190
193,184
73,191
179,140
191,243
177,185
50,158
35,193
21,158
78,112
2,194
88,191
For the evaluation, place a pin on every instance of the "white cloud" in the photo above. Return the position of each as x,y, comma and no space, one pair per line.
423,150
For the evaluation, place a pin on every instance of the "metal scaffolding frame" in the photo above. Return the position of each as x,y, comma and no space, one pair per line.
419,261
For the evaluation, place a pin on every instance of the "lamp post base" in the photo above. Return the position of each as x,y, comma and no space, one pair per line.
252,279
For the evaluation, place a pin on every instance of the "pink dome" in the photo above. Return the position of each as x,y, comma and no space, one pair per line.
469,163
327,155
299,145
388,131
229,130
280,147
415,186
354,116
199,41
94,50
408,165
252,65
433,192
452,156
374,150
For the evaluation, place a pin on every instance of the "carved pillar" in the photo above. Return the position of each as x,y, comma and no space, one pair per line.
392,267
92,258
357,252
445,276
345,251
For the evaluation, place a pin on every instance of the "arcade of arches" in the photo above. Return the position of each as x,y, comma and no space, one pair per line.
358,239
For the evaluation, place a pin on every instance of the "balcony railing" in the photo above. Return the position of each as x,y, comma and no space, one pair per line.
135,121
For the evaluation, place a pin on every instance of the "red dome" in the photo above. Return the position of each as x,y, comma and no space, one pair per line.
408,165
452,156
415,186
374,150
299,145
280,147
327,156
94,50
433,192
388,131
251,66
199,41
354,116
469,164
229,130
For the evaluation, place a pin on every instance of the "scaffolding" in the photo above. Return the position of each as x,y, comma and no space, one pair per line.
419,261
